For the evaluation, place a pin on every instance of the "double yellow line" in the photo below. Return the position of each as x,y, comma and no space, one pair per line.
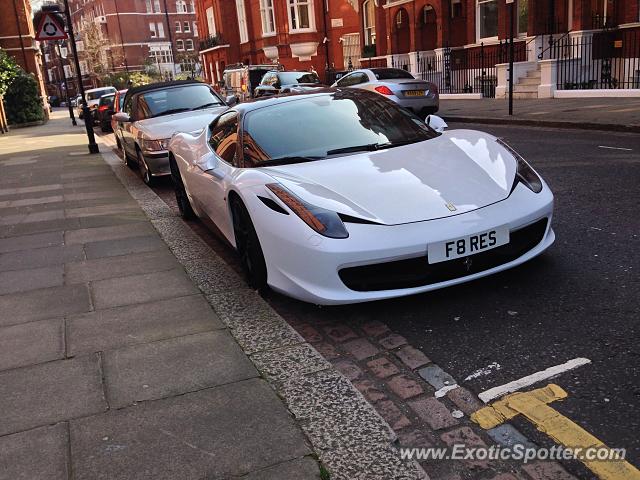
534,406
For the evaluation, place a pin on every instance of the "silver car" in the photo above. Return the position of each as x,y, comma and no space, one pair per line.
398,85
151,114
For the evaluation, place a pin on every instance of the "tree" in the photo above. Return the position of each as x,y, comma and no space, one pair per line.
23,100
9,70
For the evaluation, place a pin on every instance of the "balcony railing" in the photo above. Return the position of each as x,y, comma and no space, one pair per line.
211,41
369,51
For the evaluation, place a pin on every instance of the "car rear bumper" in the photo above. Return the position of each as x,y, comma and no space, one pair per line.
328,271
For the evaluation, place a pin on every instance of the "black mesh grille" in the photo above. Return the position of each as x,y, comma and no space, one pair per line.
417,272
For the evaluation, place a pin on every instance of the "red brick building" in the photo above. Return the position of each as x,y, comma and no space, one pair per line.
17,38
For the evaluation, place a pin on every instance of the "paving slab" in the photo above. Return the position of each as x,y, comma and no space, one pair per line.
124,246
30,343
50,392
44,226
41,257
215,433
121,266
38,454
86,235
93,221
147,287
26,242
31,279
172,367
133,324
305,468
45,303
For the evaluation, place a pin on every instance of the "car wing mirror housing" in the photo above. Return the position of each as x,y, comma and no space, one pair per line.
122,117
437,123
231,100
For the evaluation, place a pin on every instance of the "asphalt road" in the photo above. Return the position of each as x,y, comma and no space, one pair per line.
579,299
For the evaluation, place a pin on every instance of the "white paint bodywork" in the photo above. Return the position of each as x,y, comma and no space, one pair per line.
404,189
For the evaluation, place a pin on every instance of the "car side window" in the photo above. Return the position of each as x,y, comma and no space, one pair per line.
143,109
127,106
353,79
224,137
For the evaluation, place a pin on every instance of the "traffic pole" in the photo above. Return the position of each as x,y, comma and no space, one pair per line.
511,53
66,88
86,113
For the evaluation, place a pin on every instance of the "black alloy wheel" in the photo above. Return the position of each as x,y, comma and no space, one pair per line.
248,246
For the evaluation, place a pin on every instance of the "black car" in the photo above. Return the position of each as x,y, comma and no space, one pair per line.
275,82
104,111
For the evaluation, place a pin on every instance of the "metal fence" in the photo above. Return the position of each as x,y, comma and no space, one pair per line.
468,70
607,59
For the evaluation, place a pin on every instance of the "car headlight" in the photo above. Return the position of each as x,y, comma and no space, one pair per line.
155,145
524,173
325,222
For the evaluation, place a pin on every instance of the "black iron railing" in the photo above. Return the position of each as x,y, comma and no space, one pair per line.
211,41
607,59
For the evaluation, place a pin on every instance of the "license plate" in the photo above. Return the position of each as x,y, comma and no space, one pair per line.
414,93
469,245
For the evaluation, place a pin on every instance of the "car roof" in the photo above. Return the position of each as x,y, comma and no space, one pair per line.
99,88
161,85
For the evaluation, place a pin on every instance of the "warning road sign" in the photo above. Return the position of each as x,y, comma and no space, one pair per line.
50,28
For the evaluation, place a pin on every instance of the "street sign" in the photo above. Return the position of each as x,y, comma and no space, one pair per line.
50,28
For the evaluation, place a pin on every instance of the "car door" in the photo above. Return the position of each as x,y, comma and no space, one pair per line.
125,128
210,174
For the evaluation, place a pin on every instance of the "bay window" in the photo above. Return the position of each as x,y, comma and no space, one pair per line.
268,18
486,19
300,15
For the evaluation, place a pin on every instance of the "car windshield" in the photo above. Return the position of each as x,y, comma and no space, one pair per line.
176,99
318,126
107,99
98,93
289,78
391,74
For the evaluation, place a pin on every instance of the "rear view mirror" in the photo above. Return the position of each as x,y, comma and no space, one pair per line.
121,117
437,123
231,100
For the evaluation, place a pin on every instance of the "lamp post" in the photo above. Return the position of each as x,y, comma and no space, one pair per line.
511,53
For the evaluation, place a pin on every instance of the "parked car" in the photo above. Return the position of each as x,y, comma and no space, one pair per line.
74,101
93,98
104,111
276,82
398,85
117,107
151,114
343,196
241,80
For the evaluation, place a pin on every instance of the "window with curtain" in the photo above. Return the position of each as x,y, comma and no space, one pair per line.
242,21
181,6
187,27
179,45
189,44
486,19
300,14
160,30
156,6
178,27
369,22
267,17
211,23
152,30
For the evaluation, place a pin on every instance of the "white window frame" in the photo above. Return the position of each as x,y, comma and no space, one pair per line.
188,44
149,6
181,6
211,22
178,27
293,8
478,37
267,13
521,34
242,21
156,6
195,29
152,30
180,45
186,28
369,23
160,30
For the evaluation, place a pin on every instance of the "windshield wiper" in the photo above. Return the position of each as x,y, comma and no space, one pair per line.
369,147
207,105
169,112
397,144
288,160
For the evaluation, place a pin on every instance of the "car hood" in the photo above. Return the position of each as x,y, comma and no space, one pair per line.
459,171
165,126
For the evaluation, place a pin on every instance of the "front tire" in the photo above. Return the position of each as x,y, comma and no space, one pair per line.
248,246
184,204
147,178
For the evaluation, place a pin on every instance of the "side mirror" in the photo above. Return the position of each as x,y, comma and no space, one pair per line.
231,100
437,123
122,117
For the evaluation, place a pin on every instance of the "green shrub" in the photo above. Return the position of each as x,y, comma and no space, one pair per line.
9,70
22,100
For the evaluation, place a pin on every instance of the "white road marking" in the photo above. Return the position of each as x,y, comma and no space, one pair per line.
523,382
616,148
443,391
483,371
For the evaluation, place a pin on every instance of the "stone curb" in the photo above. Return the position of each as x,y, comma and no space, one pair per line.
349,436
608,127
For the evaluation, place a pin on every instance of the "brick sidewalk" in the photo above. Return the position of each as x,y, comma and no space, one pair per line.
112,363
621,114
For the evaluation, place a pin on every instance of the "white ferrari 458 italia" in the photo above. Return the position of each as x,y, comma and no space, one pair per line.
341,196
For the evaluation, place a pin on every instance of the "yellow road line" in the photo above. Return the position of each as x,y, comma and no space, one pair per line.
534,407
